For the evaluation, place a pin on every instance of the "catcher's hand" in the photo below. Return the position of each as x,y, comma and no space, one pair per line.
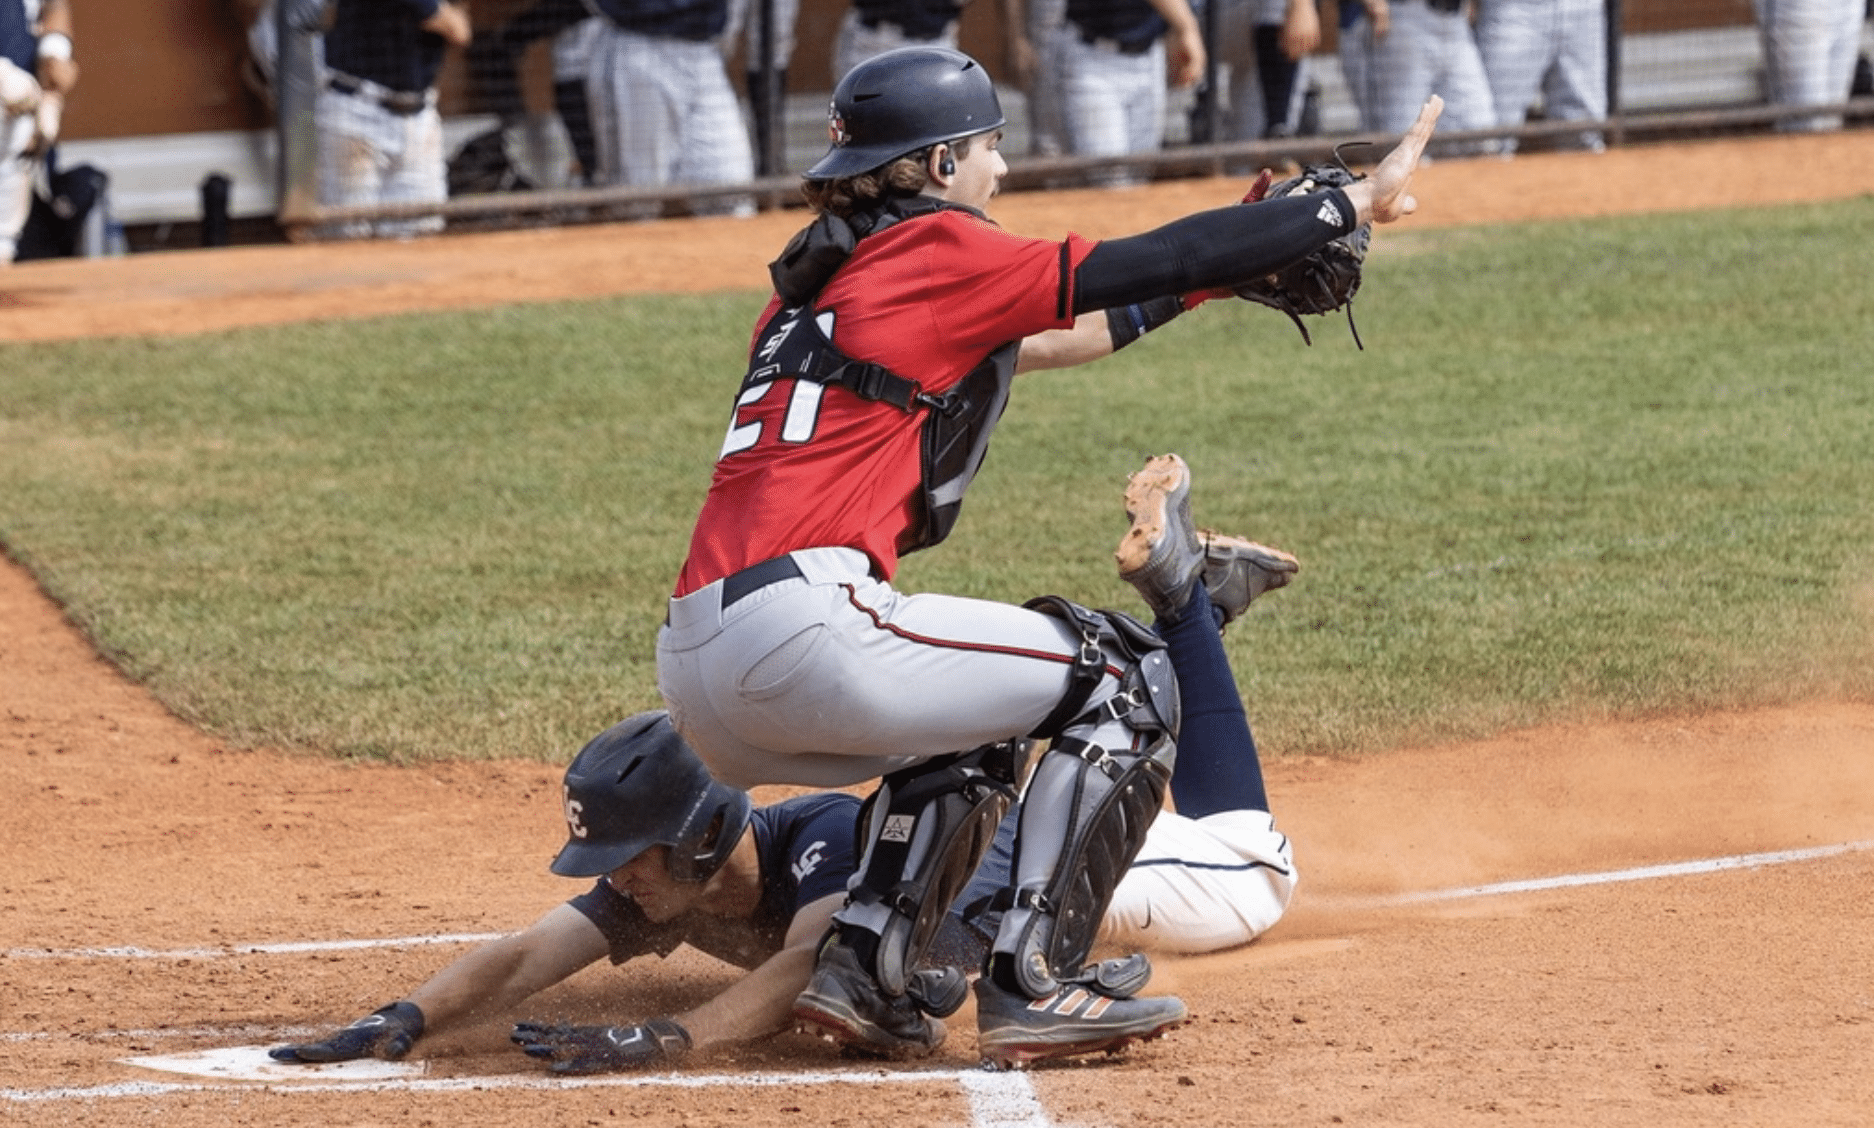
1326,280
598,1049
387,1032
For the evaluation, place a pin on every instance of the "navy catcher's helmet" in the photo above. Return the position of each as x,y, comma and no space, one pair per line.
900,102
638,785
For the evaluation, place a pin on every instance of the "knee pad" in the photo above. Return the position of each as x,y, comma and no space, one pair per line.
924,832
1147,699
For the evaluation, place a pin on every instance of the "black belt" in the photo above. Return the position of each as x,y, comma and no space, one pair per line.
404,102
1123,46
919,33
740,585
1445,5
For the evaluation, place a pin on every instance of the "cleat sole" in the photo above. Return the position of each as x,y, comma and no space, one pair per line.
1023,1055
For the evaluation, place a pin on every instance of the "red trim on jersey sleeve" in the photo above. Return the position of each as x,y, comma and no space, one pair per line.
929,298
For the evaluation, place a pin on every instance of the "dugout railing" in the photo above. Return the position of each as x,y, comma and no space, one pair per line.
1663,83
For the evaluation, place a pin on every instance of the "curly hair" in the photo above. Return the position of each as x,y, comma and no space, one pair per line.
903,176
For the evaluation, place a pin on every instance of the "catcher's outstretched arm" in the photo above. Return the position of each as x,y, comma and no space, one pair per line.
1212,249
1088,340
1224,247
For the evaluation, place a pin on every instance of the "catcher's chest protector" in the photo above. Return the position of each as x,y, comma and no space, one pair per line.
797,343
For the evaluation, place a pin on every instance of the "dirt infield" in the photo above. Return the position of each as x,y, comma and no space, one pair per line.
1689,945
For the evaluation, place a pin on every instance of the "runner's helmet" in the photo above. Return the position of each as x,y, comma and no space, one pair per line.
638,785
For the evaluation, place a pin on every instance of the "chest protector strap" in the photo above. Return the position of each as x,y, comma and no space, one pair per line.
797,344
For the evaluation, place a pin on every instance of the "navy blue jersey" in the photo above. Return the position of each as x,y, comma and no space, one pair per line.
806,851
384,41
17,42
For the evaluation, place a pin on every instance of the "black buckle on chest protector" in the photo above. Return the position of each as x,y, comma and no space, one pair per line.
877,384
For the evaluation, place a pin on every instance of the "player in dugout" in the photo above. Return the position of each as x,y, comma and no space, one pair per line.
681,858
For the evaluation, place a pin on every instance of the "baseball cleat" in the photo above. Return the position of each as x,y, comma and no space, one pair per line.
1161,555
843,1004
1236,571
1014,1032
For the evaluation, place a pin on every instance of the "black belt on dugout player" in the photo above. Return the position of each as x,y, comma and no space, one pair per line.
404,102
1123,46
925,27
1445,5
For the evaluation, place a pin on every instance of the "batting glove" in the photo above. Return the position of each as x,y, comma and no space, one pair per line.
598,1049
387,1032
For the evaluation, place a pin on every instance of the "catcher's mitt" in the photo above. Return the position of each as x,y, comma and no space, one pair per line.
1327,279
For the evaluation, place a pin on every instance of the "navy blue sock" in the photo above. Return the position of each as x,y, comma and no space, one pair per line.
1218,768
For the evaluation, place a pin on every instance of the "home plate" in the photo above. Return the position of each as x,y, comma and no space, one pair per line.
251,1063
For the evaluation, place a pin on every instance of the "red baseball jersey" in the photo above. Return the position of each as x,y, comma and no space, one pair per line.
807,465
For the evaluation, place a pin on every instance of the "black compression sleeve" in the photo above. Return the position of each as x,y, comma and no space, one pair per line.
1127,324
1220,247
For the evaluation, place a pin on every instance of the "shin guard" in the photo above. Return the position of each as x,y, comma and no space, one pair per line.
1082,823
924,833
1085,813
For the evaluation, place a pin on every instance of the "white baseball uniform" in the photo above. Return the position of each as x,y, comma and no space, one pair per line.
1809,49
1428,49
380,136
18,104
663,111
1555,50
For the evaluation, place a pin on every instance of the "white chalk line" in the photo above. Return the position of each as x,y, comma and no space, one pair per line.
131,952
1611,877
268,1033
997,1099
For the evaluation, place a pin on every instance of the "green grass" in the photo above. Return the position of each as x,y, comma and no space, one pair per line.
1588,469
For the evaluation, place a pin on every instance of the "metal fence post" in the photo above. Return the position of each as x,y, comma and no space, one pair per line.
296,84
1614,116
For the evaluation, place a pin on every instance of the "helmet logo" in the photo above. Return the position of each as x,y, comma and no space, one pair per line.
836,126
574,809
